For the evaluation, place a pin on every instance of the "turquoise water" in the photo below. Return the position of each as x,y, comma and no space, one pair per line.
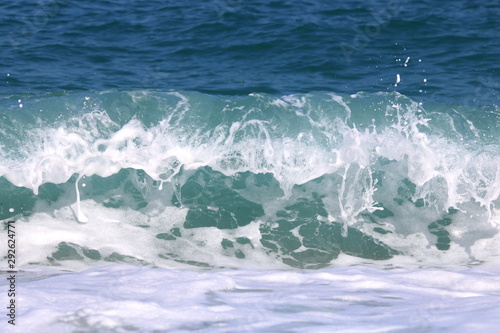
298,179
247,151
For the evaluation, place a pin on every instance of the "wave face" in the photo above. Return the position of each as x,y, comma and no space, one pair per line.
305,180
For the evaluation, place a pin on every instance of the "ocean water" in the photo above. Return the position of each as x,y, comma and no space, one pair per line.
250,166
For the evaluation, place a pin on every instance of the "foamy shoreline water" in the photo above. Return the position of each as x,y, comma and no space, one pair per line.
120,298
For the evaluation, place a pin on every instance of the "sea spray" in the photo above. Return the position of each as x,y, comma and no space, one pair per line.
228,181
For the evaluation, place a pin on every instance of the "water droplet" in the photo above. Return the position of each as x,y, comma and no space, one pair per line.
80,216
398,79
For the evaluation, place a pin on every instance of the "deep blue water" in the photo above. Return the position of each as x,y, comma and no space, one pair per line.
240,46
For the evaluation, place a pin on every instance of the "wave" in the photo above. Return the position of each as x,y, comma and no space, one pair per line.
157,177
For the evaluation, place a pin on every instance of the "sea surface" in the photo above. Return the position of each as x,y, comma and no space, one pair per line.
250,166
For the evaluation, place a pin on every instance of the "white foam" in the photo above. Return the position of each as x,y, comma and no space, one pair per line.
122,231
348,299
446,172
98,146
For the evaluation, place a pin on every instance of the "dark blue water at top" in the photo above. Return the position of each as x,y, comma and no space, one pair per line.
443,51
